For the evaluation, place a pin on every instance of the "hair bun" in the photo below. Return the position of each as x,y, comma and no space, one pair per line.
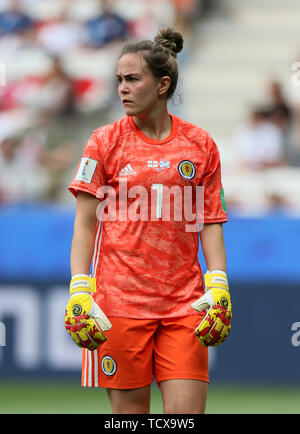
170,39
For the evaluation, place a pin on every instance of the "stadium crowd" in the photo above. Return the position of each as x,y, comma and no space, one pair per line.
57,58
266,174
56,85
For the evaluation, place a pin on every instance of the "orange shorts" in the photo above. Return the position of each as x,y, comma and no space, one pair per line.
138,350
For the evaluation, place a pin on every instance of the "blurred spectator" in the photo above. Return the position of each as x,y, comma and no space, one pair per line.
279,111
33,164
14,20
61,34
277,204
51,92
14,44
21,180
59,158
186,11
294,145
54,93
294,102
145,17
259,143
107,27
14,121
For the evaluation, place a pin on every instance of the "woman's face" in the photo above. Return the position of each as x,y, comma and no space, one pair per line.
138,89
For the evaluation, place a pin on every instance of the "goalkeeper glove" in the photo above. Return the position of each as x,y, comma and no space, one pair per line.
84,319
216,325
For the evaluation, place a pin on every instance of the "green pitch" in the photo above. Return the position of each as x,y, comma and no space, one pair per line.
67,397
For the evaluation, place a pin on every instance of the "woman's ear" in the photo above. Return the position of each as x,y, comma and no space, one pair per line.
164,85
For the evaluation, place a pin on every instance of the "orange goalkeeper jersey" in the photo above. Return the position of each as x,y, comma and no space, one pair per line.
146,246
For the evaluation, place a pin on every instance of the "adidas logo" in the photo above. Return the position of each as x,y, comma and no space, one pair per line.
128,170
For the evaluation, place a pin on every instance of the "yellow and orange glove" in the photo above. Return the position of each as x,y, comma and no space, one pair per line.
84,319
216,325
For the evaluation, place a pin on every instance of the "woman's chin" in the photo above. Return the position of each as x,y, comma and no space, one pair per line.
130,111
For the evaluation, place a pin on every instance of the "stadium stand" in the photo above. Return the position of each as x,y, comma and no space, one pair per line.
241,51
58,59
237,83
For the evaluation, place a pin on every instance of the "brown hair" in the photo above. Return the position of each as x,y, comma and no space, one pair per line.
160,54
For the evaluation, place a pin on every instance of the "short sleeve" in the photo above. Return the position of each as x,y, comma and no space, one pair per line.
214,199
89,174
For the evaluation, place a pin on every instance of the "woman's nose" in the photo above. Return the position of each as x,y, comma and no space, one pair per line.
123,89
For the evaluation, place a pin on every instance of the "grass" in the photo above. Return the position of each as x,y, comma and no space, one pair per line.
65,397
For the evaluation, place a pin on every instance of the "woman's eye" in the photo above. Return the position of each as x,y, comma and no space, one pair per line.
119,80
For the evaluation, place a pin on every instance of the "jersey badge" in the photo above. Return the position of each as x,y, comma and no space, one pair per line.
159,165
187,169
86,170
223,202
108,365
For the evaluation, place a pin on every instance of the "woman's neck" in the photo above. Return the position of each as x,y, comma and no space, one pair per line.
156,125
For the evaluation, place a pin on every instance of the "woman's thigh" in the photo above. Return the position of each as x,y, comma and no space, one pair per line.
181,365
184,396
130,401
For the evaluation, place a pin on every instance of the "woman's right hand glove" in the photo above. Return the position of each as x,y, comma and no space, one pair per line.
84,320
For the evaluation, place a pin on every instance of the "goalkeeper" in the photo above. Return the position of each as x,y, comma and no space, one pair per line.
146,311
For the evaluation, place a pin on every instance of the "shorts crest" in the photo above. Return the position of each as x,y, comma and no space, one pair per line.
108,365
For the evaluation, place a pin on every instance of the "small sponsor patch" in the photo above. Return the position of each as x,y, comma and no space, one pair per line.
86,170
108,365
224,302
187,169
222,197
77,309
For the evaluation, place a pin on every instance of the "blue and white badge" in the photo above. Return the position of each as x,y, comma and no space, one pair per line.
165,164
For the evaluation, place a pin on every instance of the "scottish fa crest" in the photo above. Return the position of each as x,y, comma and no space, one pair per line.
187,169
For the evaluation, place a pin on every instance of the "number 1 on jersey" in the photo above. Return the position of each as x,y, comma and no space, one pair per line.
159,197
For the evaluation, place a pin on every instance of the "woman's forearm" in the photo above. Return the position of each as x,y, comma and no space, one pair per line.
213,246
82,251
84,234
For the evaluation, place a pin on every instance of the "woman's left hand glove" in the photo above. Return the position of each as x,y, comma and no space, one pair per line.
216,325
